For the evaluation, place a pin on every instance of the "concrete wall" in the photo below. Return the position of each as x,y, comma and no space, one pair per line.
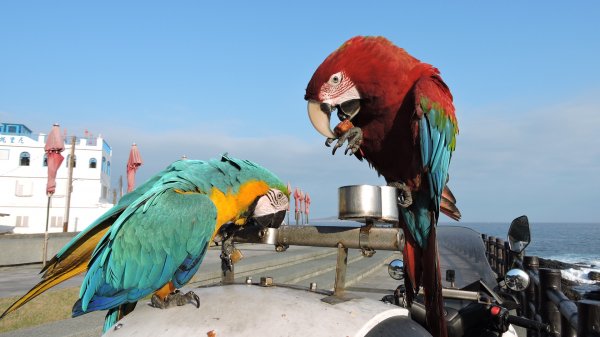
29,248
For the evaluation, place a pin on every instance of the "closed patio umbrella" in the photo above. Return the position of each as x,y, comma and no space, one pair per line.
55,144
134,162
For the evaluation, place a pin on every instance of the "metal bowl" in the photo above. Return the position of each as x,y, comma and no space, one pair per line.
359,202
389,204
362,202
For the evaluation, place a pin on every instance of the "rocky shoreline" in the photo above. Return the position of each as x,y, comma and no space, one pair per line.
569,285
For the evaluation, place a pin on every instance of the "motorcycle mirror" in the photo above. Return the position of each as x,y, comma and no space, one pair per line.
518,234
517,280
396,269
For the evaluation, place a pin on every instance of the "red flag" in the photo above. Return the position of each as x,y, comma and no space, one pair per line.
55,144
134,162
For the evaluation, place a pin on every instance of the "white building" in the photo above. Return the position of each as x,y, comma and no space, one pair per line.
23,178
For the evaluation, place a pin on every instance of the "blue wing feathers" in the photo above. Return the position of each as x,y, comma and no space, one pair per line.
435,133
150,244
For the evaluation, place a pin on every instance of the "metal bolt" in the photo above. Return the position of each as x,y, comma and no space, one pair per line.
266,281
248,279
313,286
262,233
118,326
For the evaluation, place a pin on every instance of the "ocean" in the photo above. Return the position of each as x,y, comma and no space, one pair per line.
577,243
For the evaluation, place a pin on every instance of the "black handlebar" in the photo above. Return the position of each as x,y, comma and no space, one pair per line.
529,323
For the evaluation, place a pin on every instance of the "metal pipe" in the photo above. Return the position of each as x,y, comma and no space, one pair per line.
321,236
457,294
340,270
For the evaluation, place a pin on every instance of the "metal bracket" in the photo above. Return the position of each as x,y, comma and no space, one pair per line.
363,239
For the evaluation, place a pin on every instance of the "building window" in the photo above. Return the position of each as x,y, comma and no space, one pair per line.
22,221
45,163
74,160
24,159
108,168
103,164
24,188
93,163
56,221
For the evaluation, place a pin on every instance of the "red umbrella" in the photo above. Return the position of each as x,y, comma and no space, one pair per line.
306,205
134,162
55,144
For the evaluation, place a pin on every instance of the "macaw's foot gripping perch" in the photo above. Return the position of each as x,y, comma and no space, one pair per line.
176,298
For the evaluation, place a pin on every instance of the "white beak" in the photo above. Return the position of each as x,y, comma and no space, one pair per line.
320,120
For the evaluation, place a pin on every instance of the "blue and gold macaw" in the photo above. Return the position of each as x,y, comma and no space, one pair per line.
155,238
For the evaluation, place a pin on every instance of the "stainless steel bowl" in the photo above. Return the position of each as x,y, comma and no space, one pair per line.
389,204
359,202
362,202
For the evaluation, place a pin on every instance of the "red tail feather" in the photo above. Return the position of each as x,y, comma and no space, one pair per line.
432,284
412,265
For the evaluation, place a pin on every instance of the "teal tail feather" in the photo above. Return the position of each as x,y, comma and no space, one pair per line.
115,314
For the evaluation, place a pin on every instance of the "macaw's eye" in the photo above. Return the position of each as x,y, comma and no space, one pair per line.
335,79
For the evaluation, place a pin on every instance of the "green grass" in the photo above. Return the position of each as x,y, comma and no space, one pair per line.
49,307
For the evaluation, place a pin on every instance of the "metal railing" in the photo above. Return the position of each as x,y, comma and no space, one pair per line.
544,300
367,238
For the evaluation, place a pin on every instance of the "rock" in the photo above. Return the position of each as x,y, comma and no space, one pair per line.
592,295
554,264
568,291
594,275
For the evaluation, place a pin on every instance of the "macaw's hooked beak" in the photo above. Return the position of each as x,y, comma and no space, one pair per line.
273,220
320,115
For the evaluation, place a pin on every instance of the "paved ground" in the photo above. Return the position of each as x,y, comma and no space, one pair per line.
298,266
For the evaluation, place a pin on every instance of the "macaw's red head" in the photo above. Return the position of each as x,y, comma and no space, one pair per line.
362,78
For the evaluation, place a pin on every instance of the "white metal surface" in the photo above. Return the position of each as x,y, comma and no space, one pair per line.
250,310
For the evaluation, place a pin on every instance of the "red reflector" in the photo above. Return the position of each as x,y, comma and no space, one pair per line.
495,310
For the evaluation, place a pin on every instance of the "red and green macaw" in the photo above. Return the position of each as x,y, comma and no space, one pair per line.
154,239
397,113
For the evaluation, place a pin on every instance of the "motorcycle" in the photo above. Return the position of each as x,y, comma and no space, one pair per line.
477,303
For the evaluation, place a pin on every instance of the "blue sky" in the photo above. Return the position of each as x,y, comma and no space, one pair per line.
201,79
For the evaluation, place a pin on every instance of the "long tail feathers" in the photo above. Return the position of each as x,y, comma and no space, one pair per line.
59,270
115,314
412,267
448,204
432,285
44,285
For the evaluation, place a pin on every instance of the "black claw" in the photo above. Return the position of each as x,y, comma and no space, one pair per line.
193,297
337,146
175,299
328,141
354,138
405,197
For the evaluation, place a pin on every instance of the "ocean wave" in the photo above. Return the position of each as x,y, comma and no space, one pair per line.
579,275
592,262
